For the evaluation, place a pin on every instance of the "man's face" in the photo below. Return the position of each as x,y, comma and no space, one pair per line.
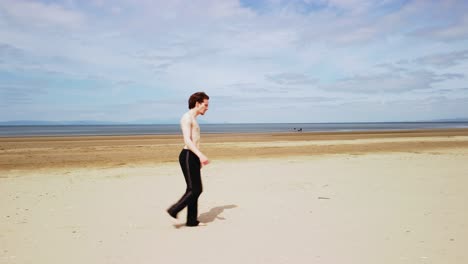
203,107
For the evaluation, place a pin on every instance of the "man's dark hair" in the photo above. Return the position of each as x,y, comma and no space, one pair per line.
197,97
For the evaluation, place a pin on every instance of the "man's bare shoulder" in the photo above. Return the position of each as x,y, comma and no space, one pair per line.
186,118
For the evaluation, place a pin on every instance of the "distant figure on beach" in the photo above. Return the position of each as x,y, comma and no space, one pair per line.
191,159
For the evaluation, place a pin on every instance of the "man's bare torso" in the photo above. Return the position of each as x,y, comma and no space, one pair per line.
194,130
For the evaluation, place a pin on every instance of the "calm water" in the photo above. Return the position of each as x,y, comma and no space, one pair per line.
84,130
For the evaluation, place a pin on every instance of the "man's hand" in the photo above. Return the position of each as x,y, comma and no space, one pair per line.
204,160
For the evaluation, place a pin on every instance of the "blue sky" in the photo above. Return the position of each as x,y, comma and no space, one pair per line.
260,61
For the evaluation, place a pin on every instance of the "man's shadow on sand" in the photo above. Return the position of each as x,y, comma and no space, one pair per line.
214,213
211,215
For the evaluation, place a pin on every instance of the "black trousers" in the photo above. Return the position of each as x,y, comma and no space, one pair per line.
190,164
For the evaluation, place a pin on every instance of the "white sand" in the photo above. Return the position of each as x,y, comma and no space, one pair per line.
372,208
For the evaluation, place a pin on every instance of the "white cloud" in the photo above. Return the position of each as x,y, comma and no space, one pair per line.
288,78
400,82
444,59
455,30
37,14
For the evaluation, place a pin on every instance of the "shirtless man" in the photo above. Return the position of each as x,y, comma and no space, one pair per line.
191,159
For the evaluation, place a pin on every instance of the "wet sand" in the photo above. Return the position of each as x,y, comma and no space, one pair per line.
110,151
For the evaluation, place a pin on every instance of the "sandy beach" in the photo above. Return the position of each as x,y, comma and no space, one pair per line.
354,197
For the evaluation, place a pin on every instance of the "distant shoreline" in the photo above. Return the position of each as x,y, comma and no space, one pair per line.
288,134
173,129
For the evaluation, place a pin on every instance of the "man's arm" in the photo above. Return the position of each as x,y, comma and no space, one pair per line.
186,126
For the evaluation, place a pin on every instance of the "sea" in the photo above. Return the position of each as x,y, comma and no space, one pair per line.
174,129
